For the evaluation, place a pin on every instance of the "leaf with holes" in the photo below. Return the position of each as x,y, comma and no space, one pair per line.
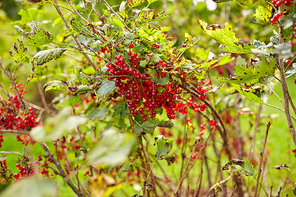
251,74
38,35
18,51
163,146
226,36
134,3
43,57
263,14
106,88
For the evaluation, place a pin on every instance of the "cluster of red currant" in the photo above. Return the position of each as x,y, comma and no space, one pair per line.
11,118
24,171
143,95
279,3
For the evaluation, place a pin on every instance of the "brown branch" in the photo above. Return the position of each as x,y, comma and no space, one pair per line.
285,89
74,37
9,75
14,131
110,8
255,130
11,152
43,98
219,183
261,159
60,169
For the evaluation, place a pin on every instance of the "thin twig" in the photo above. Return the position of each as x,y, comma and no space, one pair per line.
255,130
15,132
261,159
110,8
219,183
43,98
285,89
11,152
74,37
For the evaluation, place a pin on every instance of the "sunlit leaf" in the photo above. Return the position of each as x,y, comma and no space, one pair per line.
29,15
38,35
45,56
226,36
18,51
263,14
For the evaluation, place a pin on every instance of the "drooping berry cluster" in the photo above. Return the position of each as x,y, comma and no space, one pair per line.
143,95
279,3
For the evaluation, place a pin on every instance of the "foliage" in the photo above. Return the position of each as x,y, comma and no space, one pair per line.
123,98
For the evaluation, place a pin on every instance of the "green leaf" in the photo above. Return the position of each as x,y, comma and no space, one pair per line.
151,1
226,36
155,58
224,60
134,3
94,113
55,127
80,28
251,74
149,126
263,14
70,101
35,186
206,65
89,71
112,149
38,35
163,146
106,88
167,124
202,53
120,108
248,167
29,15
43,57
53,85
162,81
249,95
18,51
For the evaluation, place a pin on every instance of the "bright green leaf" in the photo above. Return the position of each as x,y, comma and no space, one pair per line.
38,35
53,85
248,167
202,53
29,15
263,14
248,94
226,36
